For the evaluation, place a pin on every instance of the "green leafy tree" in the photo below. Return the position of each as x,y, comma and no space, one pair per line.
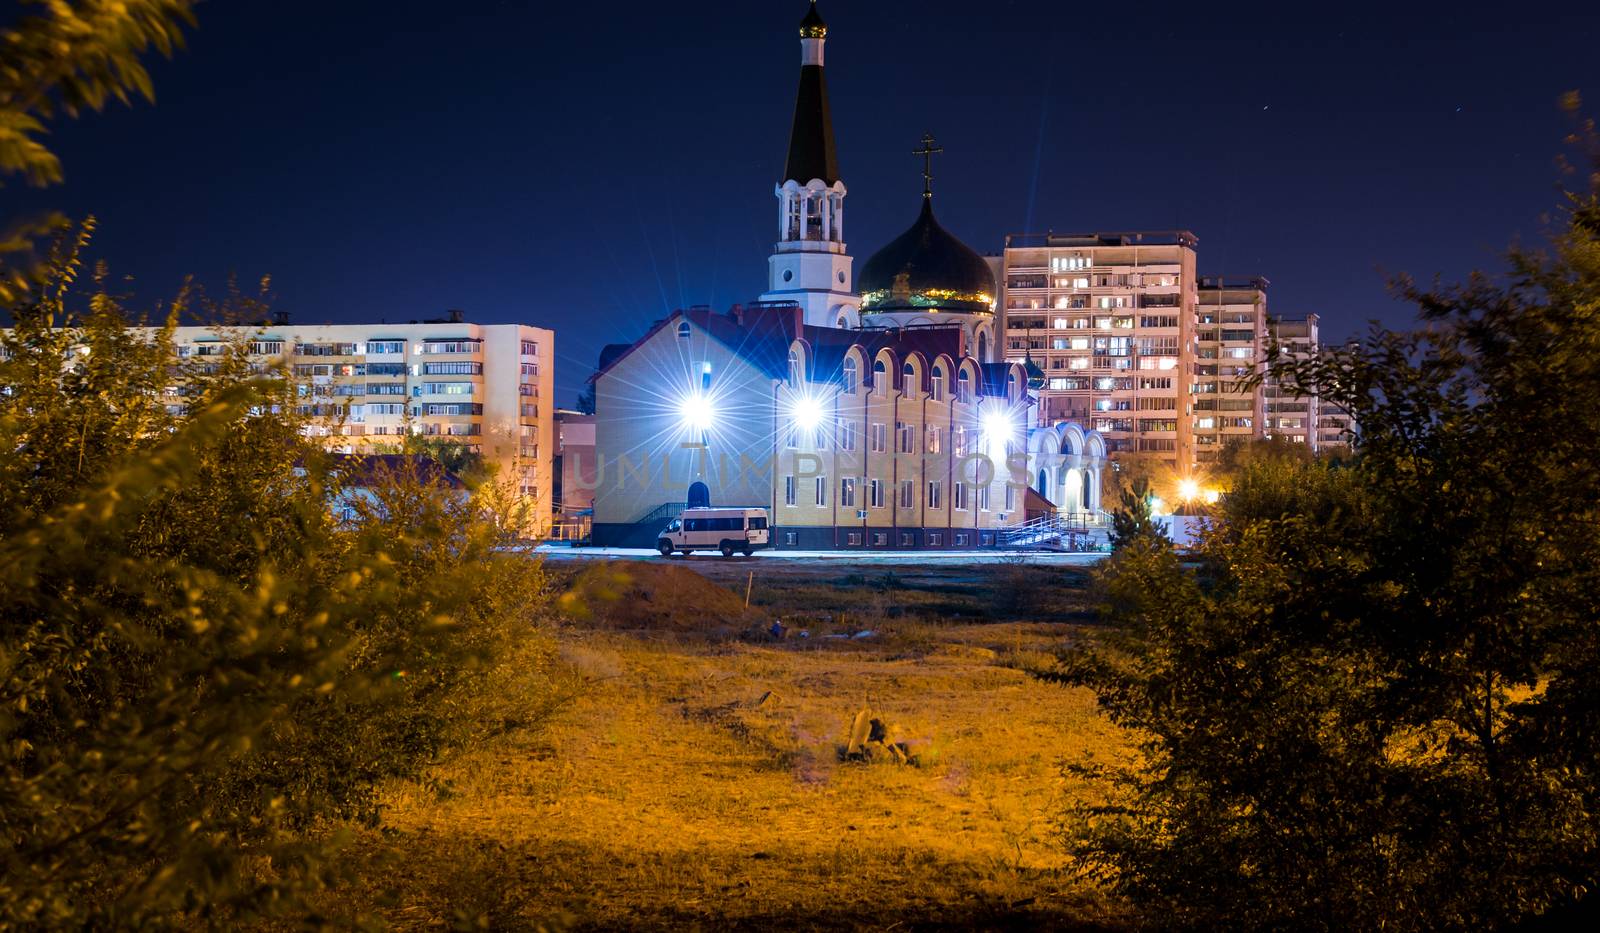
75,55
585,402
1375,703
1133,520
204,672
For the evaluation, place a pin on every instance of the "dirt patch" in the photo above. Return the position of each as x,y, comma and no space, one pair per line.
633,595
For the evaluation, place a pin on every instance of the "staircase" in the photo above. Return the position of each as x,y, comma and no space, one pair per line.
1058,531
660,515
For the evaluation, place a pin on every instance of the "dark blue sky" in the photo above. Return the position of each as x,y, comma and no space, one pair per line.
588,166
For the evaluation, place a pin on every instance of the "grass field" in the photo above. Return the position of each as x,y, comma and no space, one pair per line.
695,779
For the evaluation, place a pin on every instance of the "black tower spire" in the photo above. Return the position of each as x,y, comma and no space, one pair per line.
811,148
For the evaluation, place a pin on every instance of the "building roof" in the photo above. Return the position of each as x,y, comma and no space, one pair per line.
926,269
812,153
761,333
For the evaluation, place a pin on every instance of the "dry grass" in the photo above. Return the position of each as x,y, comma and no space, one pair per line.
668,794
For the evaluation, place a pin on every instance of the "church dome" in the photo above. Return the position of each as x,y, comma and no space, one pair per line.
812,27
926,269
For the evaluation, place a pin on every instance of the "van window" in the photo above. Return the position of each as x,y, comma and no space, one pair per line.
758,524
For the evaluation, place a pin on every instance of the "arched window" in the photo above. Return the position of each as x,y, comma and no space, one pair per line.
849,374
880,378
963,387
983,348
936,384
794,368
1011,387
683,329
909,372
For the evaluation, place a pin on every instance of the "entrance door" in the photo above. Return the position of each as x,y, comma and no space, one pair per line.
699,496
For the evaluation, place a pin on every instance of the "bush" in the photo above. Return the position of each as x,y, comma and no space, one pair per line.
204,672
1374,705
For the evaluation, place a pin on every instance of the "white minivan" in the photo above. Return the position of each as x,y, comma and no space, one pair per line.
725,530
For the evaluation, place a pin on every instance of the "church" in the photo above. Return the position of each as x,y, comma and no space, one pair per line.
870,412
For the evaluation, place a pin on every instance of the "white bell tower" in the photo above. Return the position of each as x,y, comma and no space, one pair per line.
809,264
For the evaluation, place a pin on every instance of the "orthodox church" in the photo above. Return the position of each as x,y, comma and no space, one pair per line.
870,413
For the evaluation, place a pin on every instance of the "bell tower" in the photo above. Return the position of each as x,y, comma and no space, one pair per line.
809,263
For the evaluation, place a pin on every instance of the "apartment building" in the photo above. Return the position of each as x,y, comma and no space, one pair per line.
1110,318
487,387
1287,414
1230,340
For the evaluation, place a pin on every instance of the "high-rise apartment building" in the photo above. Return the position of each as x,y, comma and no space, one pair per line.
1286,414
1110,319
1230,338
487,387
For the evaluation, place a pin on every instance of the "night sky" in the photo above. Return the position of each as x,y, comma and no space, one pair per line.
590,166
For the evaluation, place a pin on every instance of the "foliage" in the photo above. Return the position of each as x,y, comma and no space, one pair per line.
76,55
585,402
1133,520
1376,703
204,672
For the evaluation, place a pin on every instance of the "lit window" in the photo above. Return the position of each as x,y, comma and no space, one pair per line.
683,330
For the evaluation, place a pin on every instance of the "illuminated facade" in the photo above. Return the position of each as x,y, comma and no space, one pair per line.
1229,342
876,438
486,387
1110,318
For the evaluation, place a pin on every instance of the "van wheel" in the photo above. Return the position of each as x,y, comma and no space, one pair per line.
727,550
665,547
749,552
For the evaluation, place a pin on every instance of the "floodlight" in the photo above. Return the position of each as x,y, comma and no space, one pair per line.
1188,490
807,412
697,412
997,425
1212,496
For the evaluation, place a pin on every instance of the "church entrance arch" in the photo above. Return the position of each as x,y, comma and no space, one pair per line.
699,496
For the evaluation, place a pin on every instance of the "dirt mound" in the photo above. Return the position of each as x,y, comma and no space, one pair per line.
636,595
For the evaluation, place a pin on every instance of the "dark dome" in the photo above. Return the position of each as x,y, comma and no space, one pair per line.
926,269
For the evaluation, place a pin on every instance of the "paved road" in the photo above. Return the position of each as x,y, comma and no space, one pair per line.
943,558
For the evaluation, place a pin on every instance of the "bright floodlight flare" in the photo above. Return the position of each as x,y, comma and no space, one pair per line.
997,425
1188,490
807,413
697,412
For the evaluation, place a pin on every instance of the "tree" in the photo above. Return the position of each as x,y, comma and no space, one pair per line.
1375,703
204,673
585,403
1134,518
75,56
